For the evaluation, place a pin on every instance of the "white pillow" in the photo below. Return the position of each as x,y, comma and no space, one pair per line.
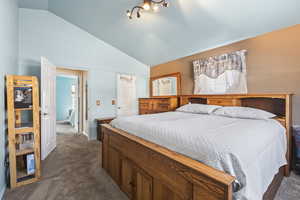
243,112
198,108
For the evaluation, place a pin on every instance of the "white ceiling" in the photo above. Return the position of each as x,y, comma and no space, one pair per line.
186,27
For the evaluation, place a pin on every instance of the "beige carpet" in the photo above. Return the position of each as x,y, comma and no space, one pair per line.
73,172
289,189
63,127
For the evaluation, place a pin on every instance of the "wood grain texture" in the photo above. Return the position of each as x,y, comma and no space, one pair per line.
289,133
143,186
127,178
99,122
177,75
159,165
36,126
114,164
157,104
11,130
175,172
162,192
223,102
14,118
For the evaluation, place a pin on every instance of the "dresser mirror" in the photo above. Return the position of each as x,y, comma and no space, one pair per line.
166,85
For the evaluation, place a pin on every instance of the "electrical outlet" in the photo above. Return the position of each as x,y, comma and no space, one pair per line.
98,102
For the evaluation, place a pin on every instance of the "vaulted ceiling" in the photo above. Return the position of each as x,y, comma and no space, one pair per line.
186,27
34,4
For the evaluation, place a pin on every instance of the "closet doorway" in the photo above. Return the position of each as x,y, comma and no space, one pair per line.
126,95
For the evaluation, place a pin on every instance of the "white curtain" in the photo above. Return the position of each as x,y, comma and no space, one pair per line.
221,74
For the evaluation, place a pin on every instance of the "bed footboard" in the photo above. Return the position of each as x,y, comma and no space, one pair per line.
146,171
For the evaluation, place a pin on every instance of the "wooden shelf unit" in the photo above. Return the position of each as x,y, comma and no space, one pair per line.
19,177
24,152
21,109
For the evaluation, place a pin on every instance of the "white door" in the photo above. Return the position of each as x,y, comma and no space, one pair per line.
126,95
48,107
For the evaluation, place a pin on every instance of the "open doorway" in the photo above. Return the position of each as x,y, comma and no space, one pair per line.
71,92
67,111
49,72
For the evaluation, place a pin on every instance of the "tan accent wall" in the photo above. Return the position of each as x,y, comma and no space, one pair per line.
273,64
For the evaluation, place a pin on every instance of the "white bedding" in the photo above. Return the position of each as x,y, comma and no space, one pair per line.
251,150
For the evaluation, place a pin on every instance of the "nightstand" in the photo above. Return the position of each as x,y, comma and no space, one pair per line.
100,121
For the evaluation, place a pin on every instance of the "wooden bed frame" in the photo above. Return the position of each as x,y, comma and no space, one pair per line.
147,171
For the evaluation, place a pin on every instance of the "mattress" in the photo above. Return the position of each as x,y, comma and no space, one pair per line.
250,150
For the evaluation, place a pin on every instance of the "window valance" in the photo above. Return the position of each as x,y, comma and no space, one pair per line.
213,67
221,74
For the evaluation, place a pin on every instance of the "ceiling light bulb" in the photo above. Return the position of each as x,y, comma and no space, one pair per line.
155,8
165,4
146,6
128,13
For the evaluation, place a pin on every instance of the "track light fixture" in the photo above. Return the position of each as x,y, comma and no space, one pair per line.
147,5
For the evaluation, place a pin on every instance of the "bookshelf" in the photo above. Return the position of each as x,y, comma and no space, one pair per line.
23,114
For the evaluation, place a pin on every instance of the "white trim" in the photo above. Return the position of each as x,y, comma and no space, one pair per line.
82,75
85,133
2,192
135,106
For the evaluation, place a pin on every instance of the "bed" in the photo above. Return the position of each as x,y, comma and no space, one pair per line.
163,156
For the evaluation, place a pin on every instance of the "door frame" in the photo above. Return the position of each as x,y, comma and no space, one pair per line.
82,96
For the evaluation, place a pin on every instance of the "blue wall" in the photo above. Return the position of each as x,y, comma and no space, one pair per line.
8,65
63,96
67,45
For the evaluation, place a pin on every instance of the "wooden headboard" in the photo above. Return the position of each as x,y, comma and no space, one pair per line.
279,104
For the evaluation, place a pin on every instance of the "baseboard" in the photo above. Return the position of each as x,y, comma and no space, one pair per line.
85,134
2,192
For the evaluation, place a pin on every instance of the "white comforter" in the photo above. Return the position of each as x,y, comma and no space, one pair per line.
250,150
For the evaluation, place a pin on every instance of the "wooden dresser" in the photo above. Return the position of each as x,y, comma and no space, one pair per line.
157,104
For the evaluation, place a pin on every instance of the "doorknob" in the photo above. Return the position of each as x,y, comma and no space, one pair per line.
119,107
45,114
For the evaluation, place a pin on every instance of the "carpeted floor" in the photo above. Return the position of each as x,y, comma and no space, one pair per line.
289,189
72,172
63,127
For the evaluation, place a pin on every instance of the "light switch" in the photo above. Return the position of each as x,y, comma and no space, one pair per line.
98,102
